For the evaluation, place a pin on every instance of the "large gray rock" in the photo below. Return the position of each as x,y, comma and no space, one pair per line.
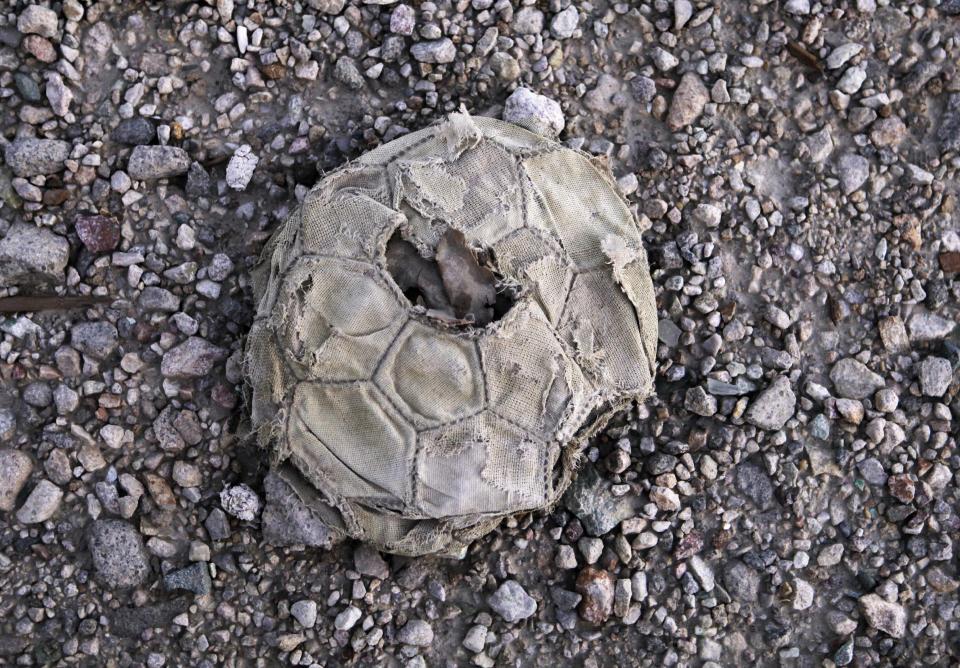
853,170
157,162
37,20
528,21
891,618
42,503
240,501
29,156
688,102
193,358
119,557
853,380
754,482
367,561
512,602
305,612
437,51
741,581
195,578
935,376
95,339
15,468
32,255
564,24
416,632
774,406
925,326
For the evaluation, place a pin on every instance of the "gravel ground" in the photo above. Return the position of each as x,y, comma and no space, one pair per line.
789,497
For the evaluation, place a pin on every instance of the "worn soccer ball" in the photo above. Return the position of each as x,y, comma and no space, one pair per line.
413,402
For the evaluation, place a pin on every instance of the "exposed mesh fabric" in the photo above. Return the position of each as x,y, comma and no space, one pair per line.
403,431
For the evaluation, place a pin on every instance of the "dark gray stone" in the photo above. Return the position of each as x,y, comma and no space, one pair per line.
131,622
754,482
94,339
741,581
590,499
28,88
949,132
347,73
368,561
195,578
198,181
134,131
218,525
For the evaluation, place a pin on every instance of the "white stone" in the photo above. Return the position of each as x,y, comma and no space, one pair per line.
564,24
842,54
534,112
241,166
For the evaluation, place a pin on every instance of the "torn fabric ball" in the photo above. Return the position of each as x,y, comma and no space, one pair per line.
440,327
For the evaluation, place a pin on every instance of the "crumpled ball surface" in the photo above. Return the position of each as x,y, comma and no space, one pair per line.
416,433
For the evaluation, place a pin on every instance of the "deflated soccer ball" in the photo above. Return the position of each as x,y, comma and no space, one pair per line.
440,327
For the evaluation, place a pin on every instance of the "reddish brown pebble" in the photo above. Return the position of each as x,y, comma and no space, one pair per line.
274,71
950,261
55,197
689,545
98,233
902,487
596,586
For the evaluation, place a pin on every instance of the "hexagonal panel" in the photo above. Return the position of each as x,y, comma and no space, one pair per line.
480,465
433,376
585,215
608,339
359,445
339,317
530,378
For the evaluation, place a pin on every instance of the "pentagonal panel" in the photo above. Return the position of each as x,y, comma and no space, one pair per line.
334,306
348,224
584,207
634,280
480,465
433,375
357,442
493,202
519,249
266,373
550,279
429,186
607,341
530,378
